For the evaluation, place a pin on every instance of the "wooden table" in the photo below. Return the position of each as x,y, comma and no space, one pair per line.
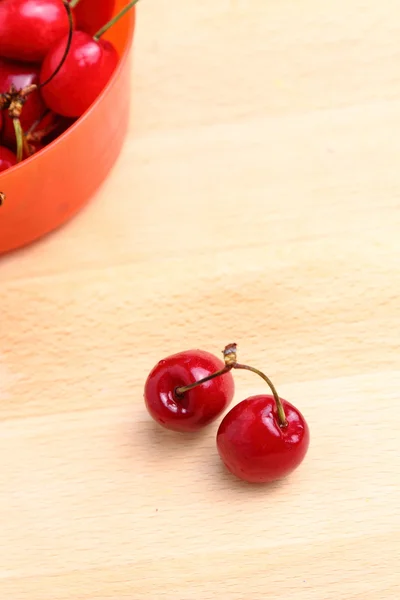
256,200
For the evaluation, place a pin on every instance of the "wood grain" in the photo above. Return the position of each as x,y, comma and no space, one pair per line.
256,200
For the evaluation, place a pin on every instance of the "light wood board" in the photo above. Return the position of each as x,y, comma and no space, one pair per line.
257,200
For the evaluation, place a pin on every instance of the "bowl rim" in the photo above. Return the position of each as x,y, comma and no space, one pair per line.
122,60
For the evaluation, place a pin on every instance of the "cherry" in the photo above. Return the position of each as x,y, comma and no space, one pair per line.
255,446
85,72
21,76
175,398
90,15
7,158
262,438
28,28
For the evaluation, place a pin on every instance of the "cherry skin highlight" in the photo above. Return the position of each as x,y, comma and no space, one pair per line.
85,72
255,447
20,75
7,158
28,28
195,408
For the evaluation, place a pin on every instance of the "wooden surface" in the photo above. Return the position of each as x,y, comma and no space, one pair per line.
257,199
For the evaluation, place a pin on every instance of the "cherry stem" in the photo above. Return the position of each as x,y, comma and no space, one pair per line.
67,47
19,136
279,406
112,22
74,3
27,147
180,391
231,363
38,121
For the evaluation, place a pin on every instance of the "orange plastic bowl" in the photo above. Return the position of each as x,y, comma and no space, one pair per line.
46,190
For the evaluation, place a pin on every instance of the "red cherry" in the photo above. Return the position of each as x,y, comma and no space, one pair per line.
253,444
91,15
195,408
7,158
28,28
85,72
21,76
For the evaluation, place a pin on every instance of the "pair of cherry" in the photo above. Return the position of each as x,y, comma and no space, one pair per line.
261,439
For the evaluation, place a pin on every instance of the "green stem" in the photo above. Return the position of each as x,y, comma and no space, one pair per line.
112,22
179,391
279,406
38,121
229,353
19,136
74,3
231,363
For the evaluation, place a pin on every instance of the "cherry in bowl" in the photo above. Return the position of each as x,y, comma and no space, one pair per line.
7,158
13,73
30,27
